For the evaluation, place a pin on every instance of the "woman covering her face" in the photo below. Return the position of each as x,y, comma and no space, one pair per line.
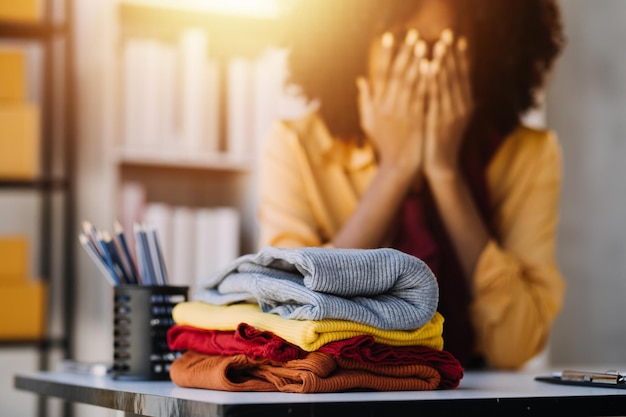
417,144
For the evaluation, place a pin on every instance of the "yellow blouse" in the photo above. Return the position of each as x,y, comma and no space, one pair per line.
310,184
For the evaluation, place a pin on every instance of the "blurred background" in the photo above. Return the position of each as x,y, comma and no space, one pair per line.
127,109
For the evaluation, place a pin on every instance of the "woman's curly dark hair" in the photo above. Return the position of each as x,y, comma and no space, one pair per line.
512,45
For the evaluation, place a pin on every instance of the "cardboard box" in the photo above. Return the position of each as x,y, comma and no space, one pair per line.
13,260
23,311
12,75
26,11
19,141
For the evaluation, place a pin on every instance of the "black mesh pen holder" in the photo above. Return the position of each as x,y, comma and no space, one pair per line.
142,317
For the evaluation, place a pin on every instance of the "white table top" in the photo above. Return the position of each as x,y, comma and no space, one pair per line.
483,390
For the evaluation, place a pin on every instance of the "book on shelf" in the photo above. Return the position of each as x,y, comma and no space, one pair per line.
159,215
173,94
198,86
147,65
200,240
239,100
182,261
217,239
170,94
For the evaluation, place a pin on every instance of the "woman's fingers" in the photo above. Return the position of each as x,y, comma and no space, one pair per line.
459,104
365,103
464,72
434,101
401,64
382,64
443,79
406,95
421,90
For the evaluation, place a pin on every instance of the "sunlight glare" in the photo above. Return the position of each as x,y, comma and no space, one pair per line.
252,8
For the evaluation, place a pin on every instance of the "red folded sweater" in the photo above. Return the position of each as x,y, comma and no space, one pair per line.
246,339
258,344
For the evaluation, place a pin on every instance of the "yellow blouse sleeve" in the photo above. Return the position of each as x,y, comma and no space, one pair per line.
518,289
285,215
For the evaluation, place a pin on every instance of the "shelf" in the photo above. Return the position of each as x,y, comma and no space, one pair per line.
54,222
212,161
50,184
35,31
50,343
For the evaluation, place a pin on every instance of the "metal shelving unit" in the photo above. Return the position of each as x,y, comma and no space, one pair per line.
54,35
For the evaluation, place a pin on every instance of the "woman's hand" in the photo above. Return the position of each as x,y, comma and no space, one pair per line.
450,107
392,104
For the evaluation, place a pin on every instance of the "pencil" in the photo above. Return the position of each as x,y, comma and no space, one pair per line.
143,249
157,256
106,256
118,264
90,233
121,240
95,257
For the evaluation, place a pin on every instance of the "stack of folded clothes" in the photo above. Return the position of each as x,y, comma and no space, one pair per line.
314,320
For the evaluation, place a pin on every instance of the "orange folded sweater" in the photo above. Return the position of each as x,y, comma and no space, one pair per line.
318,372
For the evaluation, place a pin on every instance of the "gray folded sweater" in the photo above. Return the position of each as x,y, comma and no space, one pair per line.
384,288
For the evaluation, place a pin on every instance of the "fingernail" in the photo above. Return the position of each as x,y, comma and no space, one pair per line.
440,49
420,49
447,36
411,37
462,44
387,40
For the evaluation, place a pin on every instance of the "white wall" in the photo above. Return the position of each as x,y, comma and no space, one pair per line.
587,107
95,43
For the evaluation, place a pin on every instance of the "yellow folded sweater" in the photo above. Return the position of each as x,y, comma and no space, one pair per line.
310,335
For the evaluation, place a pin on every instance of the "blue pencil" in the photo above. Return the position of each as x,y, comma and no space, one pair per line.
146,259
159,263
90,233
118,264
107,257
95,257
125,252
